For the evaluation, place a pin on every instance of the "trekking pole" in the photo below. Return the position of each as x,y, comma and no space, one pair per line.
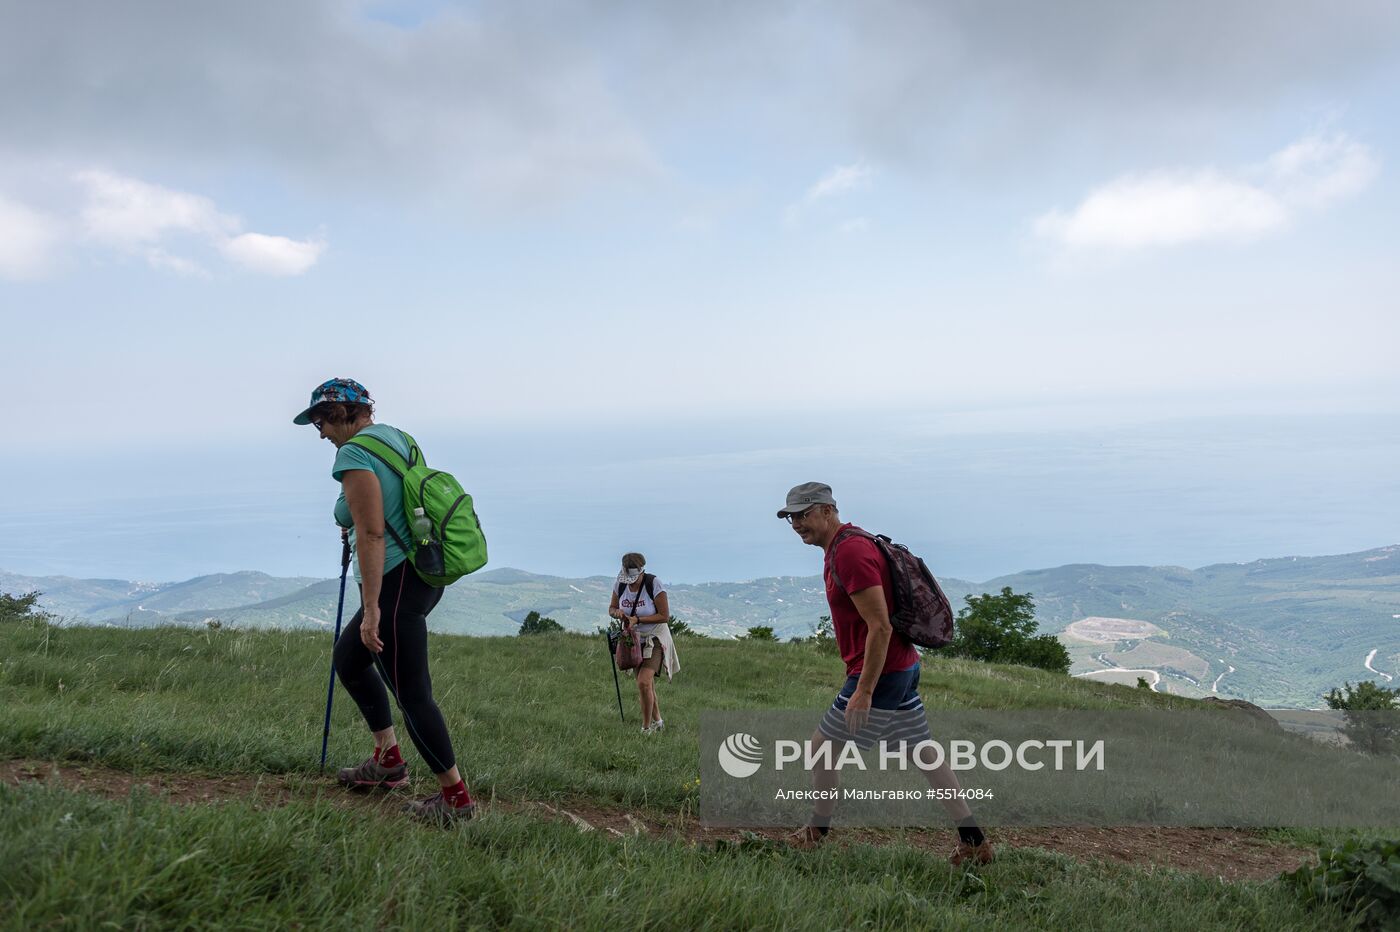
339,608
616,685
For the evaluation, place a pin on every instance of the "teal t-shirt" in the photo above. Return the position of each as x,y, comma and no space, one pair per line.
350,457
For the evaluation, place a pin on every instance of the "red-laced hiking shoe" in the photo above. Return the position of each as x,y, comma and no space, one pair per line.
371,775
436,810
971,854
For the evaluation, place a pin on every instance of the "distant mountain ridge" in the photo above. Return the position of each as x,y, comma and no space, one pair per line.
1278,631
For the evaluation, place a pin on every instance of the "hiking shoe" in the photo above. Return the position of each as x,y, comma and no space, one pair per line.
807,838
370,775
436,810
971,854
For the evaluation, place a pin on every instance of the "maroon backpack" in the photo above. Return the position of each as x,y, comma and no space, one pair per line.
922,613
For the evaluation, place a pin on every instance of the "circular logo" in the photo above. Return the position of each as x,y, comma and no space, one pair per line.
740,755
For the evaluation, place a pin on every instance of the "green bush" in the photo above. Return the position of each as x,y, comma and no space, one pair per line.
21,607
824,636
1372,723
682,629
535,623
1001,629
760,633
1360,875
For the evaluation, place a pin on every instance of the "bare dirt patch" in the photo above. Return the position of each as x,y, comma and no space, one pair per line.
1229,854
1098,630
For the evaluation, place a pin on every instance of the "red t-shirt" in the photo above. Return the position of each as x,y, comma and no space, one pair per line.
860,564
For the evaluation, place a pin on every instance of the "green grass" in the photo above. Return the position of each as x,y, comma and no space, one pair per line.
532,718
78,861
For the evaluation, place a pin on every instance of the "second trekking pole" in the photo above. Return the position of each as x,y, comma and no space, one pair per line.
339,609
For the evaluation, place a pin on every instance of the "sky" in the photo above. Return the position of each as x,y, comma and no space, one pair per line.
1029,284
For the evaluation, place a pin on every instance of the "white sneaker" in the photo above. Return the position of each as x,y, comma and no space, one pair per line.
658,725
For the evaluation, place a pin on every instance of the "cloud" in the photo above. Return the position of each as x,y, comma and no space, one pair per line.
1316,172
995,87
525,104
103,209
28,238
1171,208
138,216
498,102
840,180
160,259
273,255
126,211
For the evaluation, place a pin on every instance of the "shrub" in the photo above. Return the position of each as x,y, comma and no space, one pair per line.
1372,714
824,636
760,633
535,623
21,607
1001,629
1359,875
681,629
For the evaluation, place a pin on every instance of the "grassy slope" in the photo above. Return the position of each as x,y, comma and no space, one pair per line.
1292,628
535,718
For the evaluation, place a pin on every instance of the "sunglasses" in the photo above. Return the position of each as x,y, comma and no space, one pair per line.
317,423
797,516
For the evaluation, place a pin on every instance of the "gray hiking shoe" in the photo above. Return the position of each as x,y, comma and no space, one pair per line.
370,775
436,810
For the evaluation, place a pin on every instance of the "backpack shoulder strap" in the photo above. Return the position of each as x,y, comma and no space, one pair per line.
849,532
391,458
385,453
649,584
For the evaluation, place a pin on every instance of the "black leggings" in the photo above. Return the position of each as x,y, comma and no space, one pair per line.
404,603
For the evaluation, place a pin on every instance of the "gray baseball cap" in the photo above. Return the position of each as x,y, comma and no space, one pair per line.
804,496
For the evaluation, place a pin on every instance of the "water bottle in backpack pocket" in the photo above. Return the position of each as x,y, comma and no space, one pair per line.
427,549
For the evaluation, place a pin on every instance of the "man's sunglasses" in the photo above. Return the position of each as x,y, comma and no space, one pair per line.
794,517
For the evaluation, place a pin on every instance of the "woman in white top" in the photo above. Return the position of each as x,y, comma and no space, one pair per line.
639,600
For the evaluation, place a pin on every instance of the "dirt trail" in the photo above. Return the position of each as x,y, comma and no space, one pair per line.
1229,854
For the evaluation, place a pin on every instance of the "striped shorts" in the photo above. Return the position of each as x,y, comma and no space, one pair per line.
896,714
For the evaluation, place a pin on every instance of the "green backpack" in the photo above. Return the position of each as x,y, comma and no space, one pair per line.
454,544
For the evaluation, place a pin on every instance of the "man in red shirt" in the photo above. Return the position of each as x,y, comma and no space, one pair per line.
880,700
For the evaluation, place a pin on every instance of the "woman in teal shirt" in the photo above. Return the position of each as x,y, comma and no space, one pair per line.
386,642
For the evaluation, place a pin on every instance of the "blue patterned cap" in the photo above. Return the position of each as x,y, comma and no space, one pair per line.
347,390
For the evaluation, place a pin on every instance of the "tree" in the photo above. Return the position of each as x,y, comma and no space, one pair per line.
1143,684
1372,716
682,629
1001,629
20,607
760,633
535,623
824,635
